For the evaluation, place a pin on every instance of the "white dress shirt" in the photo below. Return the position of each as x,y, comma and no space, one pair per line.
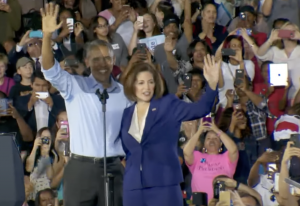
41,111
85,112
134,129
228,71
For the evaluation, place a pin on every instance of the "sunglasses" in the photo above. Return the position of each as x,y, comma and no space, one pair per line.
34,44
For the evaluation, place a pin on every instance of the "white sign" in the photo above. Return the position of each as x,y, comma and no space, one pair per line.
152,42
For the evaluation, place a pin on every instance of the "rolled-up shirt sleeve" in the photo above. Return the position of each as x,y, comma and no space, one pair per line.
61,80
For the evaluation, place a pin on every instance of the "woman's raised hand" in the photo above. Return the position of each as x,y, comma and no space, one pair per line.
49,18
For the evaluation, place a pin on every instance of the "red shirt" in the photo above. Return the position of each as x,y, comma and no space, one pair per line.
258,78
273,103
260,38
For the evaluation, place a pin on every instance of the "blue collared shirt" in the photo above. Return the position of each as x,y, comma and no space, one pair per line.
85,112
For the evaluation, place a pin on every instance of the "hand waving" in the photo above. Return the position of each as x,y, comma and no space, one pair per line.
211,71
49,18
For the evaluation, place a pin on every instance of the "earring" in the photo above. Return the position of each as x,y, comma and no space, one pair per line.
191,59
204,150
220,150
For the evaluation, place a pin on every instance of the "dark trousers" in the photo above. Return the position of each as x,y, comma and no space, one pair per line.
154,196
84,182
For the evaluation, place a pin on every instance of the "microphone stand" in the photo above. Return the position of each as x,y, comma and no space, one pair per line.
108,178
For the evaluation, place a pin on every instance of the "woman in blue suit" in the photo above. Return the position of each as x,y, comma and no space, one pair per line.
149,134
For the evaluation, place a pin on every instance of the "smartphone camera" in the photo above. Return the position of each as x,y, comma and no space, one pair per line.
45,140
182,140
243,16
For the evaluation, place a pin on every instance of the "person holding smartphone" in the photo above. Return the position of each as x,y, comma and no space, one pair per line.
209,161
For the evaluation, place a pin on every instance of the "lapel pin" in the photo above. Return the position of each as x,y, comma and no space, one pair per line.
154,109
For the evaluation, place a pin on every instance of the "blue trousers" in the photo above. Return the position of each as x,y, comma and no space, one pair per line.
153,196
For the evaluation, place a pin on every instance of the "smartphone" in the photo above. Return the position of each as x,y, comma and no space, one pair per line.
200,198
140,19
292,183
3,106
276,182
239,77
36,34
71,63
70,23
243,16
228,52
187,81
278,74
142,47
249,32
64,125
295,138
237,107
269,150
126,8
286,34
218,187
207,118
225,197
42,95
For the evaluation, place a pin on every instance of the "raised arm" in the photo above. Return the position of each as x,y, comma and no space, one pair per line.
183,111
59,78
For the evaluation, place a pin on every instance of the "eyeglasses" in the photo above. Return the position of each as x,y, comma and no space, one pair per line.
102,26
34,44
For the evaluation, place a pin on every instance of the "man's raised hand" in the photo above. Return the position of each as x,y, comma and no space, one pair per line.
49,18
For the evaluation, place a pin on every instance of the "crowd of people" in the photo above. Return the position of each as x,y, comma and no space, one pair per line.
193,117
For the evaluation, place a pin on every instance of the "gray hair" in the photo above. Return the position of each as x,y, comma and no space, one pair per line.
95,44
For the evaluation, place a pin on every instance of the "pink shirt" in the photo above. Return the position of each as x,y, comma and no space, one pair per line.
7,85
206,167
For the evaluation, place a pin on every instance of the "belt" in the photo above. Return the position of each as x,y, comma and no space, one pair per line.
94,160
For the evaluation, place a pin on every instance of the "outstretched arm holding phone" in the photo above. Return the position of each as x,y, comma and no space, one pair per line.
284,188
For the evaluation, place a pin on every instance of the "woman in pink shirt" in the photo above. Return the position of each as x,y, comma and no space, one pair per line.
208,163
6,83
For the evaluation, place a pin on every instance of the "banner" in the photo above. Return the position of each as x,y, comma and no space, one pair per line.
152,42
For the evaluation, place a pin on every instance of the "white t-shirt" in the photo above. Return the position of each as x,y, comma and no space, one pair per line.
228,71
263,188
277,55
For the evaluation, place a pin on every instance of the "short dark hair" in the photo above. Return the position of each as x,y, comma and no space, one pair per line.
243,194
37,74
265,63
165,7
199,73
283,20
129,80
38,198
191,48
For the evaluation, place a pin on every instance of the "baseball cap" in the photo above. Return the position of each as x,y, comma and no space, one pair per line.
23,61
249,9
171,18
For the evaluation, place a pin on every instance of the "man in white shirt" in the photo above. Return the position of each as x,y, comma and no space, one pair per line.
39,108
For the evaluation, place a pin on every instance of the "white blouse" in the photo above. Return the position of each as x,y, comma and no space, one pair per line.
134,129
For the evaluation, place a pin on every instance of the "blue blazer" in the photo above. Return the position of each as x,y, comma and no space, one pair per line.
157,153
